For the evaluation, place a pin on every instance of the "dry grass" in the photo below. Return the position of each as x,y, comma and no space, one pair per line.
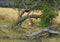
13,14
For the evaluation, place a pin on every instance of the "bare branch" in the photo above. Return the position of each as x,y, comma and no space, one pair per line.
26,7
27,17
28,10
38,33
38,1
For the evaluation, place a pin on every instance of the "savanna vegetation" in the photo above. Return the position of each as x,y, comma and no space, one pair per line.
27,17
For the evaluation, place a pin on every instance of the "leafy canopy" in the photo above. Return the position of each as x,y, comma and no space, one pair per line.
47,16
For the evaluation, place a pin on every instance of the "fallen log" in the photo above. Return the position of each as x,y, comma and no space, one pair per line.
4,25
38,33
33,35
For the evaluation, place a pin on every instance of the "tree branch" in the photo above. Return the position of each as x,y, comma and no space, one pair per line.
27,17
34,34
38,33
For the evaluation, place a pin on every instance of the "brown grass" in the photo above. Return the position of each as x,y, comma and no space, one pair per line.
13,14
9,12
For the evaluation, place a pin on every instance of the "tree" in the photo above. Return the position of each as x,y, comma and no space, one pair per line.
30,5
47,16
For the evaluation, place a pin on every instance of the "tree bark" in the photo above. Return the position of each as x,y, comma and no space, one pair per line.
22,19
38,33
27,17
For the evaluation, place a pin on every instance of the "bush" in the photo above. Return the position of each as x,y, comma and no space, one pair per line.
47,16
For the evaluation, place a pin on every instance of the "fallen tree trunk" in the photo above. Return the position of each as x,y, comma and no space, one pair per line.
38,33
4,25
33,35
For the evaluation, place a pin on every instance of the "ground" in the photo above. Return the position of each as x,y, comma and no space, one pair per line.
9,15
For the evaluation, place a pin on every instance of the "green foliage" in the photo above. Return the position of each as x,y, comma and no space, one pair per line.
16,28
29,3
47,16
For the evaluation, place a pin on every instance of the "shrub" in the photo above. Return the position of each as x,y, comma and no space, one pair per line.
47,16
